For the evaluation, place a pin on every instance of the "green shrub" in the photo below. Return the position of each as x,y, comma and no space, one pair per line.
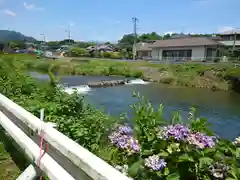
115,55
151,148
79,52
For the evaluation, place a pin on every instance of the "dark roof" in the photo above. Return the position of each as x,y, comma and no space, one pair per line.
184,42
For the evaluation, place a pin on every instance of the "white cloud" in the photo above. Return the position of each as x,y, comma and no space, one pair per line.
170,33
32,7
225,29
9,12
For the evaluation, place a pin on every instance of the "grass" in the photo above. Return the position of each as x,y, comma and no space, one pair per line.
211,76
8,168
12,161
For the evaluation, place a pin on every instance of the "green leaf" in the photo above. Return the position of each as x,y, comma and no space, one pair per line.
134,168
173,176
185,158
205,161
147,152
166,171
238,153
163,154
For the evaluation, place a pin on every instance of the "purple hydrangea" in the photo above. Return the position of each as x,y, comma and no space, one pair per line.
124,139
155,163
125,130
201,140
178,132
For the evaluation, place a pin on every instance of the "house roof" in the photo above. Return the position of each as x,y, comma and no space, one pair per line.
184,42
230,32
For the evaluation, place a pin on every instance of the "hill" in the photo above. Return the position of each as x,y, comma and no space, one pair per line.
6,35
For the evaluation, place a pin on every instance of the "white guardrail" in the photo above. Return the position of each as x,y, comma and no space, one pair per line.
65,159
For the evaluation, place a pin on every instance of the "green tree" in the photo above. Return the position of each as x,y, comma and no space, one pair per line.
149,36
127,39
67,41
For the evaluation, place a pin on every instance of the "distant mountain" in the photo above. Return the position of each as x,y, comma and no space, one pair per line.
6,35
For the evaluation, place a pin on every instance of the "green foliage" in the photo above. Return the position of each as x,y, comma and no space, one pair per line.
79,52
185,159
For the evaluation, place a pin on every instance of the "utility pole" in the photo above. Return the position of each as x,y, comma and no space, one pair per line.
234,42
69,39
135,37
69,35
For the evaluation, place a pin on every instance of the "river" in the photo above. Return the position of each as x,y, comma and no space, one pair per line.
222,109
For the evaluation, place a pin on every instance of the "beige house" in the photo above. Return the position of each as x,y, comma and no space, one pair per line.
143,50
180,49
185,48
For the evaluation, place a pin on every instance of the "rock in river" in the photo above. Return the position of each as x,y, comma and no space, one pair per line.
105,83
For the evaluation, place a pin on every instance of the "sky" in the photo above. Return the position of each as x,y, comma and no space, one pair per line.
109,20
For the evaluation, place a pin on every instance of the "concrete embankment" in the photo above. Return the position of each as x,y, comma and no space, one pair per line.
106,83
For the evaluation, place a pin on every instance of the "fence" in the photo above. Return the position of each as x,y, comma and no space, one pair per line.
64,160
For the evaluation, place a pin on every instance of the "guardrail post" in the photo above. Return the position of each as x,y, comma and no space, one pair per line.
30,173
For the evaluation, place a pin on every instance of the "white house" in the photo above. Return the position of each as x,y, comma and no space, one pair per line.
185,48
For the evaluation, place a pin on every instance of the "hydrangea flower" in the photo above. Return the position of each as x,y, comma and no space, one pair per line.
155,163
125,130
201,140
124,139
219,170
237,141
177,132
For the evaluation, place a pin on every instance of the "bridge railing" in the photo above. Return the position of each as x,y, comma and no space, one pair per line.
65,159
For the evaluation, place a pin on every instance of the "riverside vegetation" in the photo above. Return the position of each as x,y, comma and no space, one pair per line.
214,76
146,146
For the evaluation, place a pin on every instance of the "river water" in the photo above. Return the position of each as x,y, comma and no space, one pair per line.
222,109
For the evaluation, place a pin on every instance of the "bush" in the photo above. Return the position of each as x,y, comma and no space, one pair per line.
148,148
153,148
79,52
115,55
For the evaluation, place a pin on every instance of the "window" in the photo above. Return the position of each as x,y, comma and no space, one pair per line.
177,55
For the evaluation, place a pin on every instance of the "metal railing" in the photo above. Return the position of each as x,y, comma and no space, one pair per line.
65,159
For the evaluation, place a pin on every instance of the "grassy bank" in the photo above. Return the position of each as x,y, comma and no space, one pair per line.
151,148
211,76
190,75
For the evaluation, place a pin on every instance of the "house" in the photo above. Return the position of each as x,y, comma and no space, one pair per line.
2,47
143,50
101,48
230,38
185,48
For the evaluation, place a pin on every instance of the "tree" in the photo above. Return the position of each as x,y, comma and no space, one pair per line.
17,44
127,39
85,44
149,36
67,41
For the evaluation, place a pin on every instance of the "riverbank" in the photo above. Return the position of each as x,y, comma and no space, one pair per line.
151,148
212,76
